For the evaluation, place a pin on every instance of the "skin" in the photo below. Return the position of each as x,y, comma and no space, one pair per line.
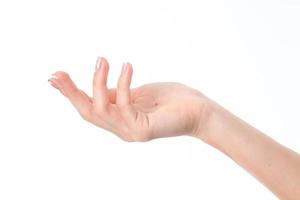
168,109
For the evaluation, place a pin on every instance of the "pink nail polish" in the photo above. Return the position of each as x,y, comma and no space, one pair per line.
98,64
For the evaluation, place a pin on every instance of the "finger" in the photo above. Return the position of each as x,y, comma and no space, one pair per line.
53,81
80,100
100,91
123,98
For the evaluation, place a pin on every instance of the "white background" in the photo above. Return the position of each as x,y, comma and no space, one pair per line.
242,54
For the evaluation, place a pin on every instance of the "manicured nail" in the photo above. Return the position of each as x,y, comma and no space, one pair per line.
124,68
98,64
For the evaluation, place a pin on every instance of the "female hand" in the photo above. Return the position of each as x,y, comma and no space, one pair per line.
169,109
139,114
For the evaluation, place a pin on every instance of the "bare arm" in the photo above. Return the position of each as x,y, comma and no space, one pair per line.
276,166
170,109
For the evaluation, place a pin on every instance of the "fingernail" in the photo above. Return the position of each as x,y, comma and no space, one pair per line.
124,68
53,81
54,76
98,64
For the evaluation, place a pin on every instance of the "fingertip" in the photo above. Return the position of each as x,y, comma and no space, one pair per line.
130,70
52,82
80,100
128,74
101,63
64,83
101,73
64,79
98,63
104,60
126,67
123,90
61,75
100,89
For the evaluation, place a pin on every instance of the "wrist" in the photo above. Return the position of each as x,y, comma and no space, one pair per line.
212,123
221,128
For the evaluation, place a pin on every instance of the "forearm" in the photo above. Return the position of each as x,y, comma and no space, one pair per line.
276,166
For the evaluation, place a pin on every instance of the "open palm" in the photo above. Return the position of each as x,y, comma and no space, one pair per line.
139,114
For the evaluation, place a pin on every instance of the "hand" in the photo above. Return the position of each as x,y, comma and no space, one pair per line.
170,109
139,114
